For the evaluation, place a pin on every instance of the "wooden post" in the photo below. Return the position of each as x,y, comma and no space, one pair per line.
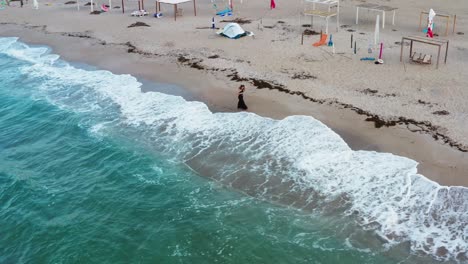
194,8
123,7
438,56
401,51
420,21
357,15
381,50
447,25
411,48
446,52
326,29
302,38
383,19
175,12
338,16
454,21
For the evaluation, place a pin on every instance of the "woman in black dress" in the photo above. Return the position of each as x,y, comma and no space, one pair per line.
241,104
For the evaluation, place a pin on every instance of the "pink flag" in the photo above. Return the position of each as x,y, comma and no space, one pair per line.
272,4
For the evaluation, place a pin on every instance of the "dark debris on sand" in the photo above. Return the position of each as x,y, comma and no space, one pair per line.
76,35
303,76
192,63
133,49
207,28
309,32
89,3
375,93
138,24
443,112
95,12
70,2
239,21
429,104
369,91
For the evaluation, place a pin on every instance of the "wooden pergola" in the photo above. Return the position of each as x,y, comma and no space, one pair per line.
175,3
141,5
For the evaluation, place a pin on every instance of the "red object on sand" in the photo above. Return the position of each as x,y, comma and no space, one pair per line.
429,34
272,4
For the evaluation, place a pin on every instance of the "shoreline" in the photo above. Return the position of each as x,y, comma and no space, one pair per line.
438,162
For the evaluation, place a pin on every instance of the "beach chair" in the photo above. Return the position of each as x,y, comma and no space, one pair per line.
322,41
421,58
139,13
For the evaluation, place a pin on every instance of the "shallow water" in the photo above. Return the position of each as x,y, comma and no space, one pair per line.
93,170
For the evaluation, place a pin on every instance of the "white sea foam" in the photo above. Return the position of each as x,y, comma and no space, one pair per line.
383,189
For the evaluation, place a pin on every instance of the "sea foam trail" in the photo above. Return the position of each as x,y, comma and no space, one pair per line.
297,160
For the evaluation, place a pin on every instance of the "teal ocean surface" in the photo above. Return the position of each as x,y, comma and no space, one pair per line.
92,170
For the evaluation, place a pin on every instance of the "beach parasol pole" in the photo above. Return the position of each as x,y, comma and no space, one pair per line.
381,50
376,32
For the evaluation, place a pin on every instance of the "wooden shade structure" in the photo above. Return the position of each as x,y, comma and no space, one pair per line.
430,41
175,3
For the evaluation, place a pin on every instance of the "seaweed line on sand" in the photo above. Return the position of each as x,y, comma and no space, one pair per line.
424,126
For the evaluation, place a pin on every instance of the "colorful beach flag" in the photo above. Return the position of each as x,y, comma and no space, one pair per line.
430,23
272,4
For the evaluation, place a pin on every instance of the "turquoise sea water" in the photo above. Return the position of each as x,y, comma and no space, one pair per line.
94,171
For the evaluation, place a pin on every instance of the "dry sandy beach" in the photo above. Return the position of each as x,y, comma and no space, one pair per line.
411,110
